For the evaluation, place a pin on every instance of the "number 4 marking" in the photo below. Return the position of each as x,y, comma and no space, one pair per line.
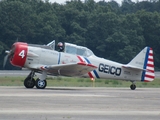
22,54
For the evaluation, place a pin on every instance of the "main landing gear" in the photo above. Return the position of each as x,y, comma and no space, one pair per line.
40,83
133,86
29,82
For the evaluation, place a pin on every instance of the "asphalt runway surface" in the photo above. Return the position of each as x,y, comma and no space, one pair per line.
79,103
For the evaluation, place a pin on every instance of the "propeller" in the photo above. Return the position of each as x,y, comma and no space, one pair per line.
6,58
9,54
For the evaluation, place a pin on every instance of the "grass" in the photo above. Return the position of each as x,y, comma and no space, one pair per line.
79,82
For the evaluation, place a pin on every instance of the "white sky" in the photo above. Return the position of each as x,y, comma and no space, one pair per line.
63,1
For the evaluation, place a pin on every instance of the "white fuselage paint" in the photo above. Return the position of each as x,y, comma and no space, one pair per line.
106,69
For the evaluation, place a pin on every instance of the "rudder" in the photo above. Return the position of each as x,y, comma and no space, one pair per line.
148,75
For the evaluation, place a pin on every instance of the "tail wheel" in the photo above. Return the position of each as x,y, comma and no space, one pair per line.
29,82
41,84
133,87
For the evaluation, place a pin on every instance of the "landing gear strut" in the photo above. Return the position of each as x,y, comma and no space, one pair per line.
133,86
29,82
40,83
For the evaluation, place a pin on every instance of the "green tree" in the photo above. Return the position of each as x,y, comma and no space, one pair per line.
150,22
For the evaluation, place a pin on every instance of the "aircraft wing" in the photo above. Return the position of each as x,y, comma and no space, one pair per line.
71,69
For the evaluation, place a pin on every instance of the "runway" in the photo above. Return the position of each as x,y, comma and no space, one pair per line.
60,103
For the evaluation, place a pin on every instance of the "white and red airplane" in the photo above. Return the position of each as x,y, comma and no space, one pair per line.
77,61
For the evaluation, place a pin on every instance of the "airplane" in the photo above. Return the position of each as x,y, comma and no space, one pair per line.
77,61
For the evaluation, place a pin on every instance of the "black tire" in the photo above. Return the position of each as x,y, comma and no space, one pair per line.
41,84
133,87
29,83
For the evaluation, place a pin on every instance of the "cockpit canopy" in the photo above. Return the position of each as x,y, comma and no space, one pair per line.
73,49
77,50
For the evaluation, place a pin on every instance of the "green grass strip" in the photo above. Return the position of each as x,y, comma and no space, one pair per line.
79,82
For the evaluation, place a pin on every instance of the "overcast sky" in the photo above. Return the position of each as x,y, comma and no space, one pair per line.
63,1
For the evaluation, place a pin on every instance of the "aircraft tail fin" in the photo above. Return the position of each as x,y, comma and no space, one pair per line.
144,61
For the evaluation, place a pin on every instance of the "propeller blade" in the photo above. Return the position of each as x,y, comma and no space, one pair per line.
9,54
5,60
7,51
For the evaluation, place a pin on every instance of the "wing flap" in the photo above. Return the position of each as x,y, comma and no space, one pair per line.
71,69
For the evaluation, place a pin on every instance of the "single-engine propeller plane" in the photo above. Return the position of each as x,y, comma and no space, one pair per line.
77,61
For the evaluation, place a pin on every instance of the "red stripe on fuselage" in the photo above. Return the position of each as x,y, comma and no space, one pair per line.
80,58
90,75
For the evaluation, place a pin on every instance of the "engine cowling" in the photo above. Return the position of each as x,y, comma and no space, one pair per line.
19,54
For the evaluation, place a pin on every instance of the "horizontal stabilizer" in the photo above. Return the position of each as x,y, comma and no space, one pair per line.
133,67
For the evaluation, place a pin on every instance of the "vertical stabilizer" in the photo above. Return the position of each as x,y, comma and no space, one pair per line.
144,60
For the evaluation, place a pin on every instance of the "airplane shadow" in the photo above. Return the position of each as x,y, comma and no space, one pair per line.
49,88
62,89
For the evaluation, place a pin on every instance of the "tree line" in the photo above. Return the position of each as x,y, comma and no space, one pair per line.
112,31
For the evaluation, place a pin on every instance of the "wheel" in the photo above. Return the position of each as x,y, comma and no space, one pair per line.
133,87
29,83
41,84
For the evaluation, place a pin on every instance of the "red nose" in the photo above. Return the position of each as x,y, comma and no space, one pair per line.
18,54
